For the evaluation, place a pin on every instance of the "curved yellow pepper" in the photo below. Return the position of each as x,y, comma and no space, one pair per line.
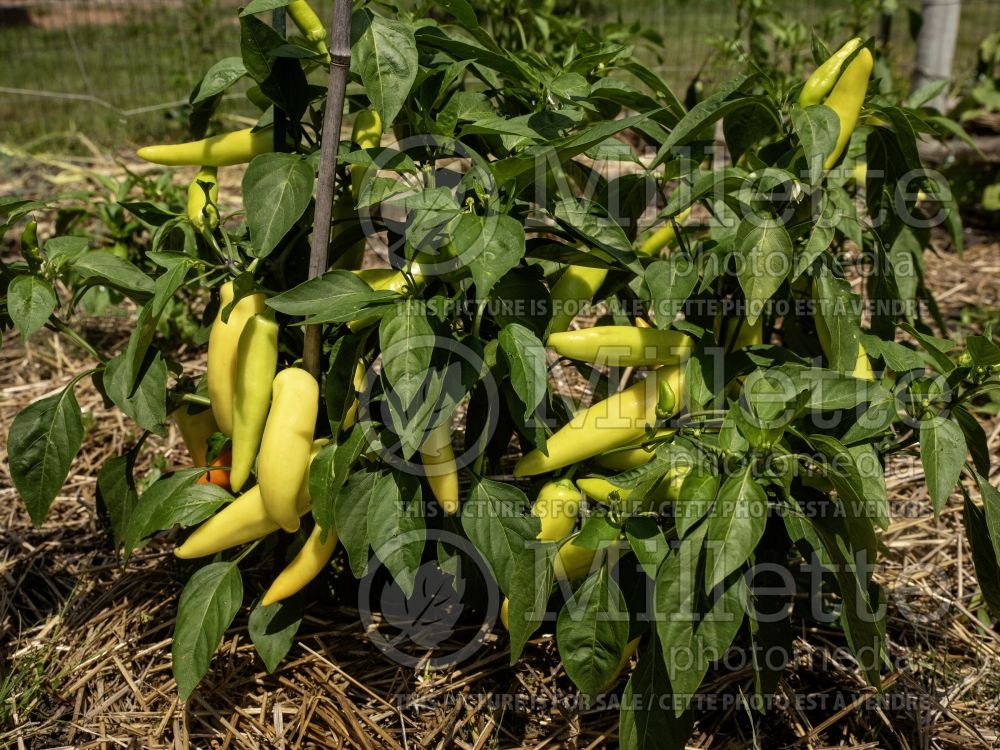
309,24
223,343
256,363
825,76
633,458
573,561
613,423
438,459
385,279
352,412
663,238
556,506
283,461
846,100
241,521
622,346
575,288
202,207
237,147
600,489
305,566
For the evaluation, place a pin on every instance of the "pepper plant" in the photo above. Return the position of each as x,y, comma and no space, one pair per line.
744,403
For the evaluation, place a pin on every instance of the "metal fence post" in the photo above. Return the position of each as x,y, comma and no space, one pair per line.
936,45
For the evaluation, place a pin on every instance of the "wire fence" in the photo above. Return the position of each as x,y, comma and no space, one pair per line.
120,71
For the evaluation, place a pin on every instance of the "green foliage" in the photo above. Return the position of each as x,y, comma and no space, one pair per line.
508,165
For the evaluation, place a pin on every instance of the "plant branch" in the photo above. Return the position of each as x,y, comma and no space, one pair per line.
63,328
340,62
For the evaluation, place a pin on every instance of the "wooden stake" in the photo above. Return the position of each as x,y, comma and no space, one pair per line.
340,63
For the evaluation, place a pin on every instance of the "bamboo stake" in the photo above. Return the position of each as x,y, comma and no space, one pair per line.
340,63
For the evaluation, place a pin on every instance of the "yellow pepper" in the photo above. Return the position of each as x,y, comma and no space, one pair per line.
818,85
223,343
305,566
617,421
573,561
203,202
623,346
241,521
223,150
350,258
574,290
663,238
556,506
438,459
283,461
846,100
256,363
600,489
633,458
309,24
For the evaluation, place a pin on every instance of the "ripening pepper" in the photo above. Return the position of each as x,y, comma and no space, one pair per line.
822,80
223,343
306,565
203,200
219,473
631,458
256,363
237,147
438,458
309,24
846,100
574,290
283,460
196,428
241,521
663,238
600,489
612,423
623,346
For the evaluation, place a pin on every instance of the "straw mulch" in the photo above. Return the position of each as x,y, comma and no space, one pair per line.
85,644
